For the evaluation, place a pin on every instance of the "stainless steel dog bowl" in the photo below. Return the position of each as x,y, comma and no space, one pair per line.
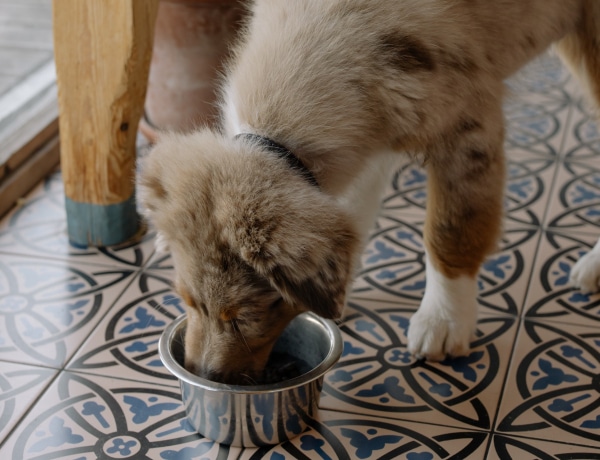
257,415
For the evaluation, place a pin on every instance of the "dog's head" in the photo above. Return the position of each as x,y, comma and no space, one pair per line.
253,245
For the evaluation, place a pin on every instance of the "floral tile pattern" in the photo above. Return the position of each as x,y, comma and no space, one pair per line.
47,307
38,227
80,376
19,387
554,384
125,342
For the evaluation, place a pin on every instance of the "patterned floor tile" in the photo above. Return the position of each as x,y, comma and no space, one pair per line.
582,140
377,376
536,126
349,437
125,343
20,385
531,449
526,192
87,418
551,297
407,193
83,418
48,307
393,266
575,201
544,76
37,227
553,385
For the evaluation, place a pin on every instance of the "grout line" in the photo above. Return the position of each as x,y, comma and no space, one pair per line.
135,275
526,298
29,408
69,259
386,417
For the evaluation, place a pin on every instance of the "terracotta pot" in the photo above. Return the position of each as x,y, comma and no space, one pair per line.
192,40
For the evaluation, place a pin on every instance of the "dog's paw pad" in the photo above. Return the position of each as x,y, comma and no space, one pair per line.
585,274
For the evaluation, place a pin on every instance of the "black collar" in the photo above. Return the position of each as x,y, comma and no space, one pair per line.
292,160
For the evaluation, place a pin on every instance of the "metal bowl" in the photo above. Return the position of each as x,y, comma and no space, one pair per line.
257,415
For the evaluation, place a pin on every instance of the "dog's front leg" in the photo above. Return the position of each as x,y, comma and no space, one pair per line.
464,213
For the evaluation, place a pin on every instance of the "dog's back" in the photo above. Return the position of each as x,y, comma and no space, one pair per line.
368,74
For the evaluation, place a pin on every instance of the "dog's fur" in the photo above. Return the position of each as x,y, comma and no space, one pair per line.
346,85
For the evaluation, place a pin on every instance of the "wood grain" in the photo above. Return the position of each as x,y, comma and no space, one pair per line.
102,52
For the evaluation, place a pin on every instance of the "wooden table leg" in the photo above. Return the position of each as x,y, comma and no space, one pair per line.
102,52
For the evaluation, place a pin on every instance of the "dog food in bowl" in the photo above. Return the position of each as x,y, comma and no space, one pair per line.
283,366
267,413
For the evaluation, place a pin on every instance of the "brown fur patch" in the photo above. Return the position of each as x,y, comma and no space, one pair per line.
463,222
405,53
467,124
228,315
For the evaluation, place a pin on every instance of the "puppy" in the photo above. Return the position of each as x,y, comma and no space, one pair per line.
267,217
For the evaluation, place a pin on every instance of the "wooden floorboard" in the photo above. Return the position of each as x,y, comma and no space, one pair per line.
23,36
20,63
32,13
25,39
28,106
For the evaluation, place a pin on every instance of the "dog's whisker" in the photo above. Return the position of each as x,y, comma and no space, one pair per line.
249,380
238,332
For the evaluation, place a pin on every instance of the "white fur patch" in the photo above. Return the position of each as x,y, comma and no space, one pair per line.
586,272
447,317
161,244
231,119
362,197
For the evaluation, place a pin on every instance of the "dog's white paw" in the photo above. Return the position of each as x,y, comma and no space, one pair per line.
446,320
434,336
585,274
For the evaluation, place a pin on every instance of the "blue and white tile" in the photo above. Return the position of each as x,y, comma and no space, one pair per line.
552,388
543,76
377,375
342,436
525,198
20,386
100,417
551,296
125,342
582,138
48,307
407,192
393,266
536,127
393,263
526,193
37,227
575,201
506,447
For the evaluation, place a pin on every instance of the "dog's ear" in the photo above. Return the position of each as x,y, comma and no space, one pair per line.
305,248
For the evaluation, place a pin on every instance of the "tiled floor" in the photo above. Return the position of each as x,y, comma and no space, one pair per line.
80,377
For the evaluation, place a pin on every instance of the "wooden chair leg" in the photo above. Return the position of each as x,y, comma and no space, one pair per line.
102,52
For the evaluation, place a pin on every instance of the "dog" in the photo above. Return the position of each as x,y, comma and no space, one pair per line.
267,215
